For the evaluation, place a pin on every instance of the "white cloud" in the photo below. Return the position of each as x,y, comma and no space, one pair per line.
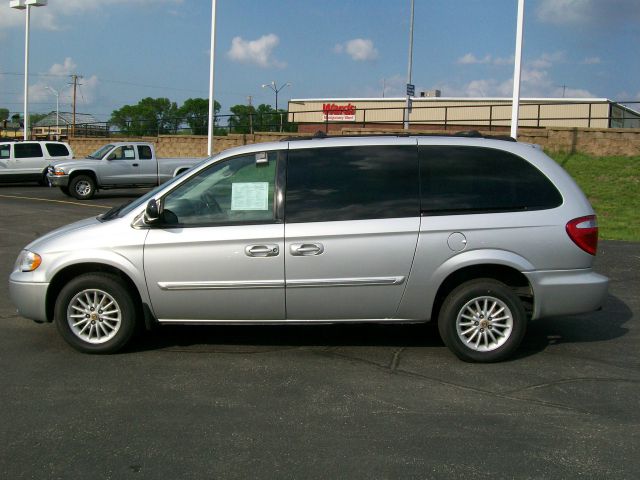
547,60
588,12
87,90
471,59
256,52
592,61
66,68
359,49
52,17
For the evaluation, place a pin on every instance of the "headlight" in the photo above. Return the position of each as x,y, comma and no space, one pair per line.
28,261
58,171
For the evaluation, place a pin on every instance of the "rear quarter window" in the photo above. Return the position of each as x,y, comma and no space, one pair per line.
463,180
27,150
57,149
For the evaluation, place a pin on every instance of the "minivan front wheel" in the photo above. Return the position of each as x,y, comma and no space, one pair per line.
482,321
94,313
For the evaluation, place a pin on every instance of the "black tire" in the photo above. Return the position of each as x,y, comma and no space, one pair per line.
66,191
44,181
97,330
82,187
470,328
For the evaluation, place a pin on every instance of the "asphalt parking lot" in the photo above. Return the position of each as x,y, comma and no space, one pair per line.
365,401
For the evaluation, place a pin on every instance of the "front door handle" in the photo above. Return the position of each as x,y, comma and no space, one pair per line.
261,250
135,165
306,249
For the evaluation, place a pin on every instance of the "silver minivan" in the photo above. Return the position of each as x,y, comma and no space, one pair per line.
479,234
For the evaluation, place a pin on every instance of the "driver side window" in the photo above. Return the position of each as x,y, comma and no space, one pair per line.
238,190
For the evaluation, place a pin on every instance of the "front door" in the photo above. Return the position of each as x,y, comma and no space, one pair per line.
218,256
123,167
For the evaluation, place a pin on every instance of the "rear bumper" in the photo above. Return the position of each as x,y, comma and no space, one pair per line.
29,298
58,180
567,292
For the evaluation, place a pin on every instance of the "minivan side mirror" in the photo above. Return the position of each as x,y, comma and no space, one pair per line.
153,212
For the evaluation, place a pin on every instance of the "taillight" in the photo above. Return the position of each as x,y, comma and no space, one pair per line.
584,232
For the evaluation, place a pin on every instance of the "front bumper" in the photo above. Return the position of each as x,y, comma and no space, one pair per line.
29,298
567,292
58,180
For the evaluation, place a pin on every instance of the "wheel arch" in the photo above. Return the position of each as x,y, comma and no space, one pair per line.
503,272
62,277
89,173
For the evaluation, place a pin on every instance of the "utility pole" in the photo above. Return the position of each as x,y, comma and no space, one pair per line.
75,84
249,99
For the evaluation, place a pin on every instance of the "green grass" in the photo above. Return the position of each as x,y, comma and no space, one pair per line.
612,185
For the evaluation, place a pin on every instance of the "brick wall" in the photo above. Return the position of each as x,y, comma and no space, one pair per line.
593,141
179,146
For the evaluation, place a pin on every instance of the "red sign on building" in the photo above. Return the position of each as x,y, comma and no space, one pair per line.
339,113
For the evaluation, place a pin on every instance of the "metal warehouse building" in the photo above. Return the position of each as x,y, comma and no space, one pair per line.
448,112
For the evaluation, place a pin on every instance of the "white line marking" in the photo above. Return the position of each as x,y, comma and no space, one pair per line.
54,201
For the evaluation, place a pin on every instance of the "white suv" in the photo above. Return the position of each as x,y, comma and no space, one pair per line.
28,161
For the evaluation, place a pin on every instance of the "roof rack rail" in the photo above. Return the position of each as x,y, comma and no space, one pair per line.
465,133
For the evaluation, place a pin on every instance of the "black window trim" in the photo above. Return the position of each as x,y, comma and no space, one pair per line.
278,201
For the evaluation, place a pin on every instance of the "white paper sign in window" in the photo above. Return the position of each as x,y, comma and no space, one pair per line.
129,153
250,196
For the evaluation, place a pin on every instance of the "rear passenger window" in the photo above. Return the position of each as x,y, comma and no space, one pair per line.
144,152
5,151
351,183
27,150
459,180
57,150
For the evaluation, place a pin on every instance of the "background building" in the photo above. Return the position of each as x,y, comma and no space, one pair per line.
433,112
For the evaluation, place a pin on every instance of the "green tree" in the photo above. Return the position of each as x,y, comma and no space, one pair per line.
4,114
150,116
36,117
195,112
263,119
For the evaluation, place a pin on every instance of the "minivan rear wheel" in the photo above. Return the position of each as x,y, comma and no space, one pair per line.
482,320
94,313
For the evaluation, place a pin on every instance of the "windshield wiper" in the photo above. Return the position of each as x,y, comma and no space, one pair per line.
112,213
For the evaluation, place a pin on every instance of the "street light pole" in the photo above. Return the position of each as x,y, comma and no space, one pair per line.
276,90
26,5
408,108
517,70
211,71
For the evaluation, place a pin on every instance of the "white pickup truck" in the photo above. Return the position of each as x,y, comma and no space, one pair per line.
116,165
28,161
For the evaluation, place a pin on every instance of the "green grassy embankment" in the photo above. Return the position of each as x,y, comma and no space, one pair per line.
612,185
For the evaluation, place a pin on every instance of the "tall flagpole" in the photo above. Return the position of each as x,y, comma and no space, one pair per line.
517,70
211,65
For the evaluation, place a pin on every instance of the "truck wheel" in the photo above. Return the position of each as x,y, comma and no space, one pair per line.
82,187
94,313
482,320
66,191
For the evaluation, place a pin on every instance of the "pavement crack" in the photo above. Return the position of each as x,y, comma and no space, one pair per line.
481,391
395,361
570,380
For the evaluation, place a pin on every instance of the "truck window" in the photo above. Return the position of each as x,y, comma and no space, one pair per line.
123,153
57,149
27,150
144,152
5,151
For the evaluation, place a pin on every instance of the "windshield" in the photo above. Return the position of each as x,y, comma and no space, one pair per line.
98,154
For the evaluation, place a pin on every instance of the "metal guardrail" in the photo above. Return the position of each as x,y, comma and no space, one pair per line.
288,121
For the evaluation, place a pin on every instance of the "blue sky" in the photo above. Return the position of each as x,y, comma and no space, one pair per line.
130,49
